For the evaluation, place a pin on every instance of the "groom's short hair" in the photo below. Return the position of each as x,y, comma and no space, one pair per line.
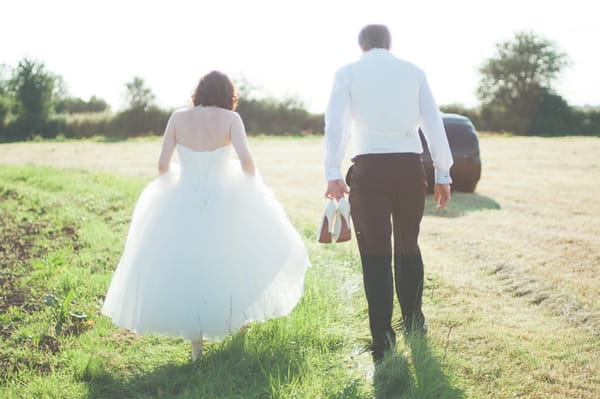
374,36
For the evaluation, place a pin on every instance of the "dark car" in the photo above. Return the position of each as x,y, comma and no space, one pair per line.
464,144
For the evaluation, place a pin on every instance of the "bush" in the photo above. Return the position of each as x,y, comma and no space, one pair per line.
53,127
28,128
73,105
587,121
472,113
553,116
5,110
87,125
273,117
128,123
138,122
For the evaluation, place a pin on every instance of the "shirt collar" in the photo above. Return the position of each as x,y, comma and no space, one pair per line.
374,52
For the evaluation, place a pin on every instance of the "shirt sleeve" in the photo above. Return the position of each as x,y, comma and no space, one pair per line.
337,124
435,135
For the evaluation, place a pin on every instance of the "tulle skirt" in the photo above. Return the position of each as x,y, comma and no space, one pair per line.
203,259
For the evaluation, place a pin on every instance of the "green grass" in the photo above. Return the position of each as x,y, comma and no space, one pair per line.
70,226
510,294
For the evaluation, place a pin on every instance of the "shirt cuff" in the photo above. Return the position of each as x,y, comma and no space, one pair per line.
442,177
333,174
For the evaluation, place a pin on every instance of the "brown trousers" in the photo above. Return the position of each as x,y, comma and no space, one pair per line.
387,198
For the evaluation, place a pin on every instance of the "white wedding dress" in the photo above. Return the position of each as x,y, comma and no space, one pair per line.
209,249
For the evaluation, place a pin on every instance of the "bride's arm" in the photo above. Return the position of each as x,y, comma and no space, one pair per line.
240,144
168,146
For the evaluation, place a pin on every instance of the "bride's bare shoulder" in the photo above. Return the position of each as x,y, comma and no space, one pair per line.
233,115
223,111
179,112
227,114
214,113
186,114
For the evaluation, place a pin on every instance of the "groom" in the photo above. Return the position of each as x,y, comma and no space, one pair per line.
382,101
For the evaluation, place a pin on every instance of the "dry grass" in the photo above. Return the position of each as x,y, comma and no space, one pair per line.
534,211
292,167
545,236
523,263
513,270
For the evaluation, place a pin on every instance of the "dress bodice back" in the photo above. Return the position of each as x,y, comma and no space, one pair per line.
203,166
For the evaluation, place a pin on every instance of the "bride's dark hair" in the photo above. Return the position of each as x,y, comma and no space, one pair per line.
215,88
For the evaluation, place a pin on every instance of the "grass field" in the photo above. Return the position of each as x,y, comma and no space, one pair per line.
511,293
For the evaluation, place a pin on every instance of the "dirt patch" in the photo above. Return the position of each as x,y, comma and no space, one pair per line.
8,194
123,336
5,332
6,367
49,344
10,365
70,232
17,247
18,237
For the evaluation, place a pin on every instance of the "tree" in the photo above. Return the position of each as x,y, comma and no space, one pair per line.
264,114
3,79
138,95
34,90
513,81
75,105
96,104
5,107
5,98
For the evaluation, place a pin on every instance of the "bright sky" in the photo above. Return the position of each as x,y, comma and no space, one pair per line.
289,48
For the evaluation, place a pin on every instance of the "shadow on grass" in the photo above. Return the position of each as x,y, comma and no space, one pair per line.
227,370
460,205
416,374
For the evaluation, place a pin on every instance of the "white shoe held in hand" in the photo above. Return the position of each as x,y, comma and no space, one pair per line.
342,230
325,231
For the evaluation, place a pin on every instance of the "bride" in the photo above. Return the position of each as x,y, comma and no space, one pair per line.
209,248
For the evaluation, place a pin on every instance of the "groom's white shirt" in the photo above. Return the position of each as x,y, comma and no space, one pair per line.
381,101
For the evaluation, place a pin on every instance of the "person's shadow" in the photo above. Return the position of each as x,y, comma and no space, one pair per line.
226,370
460,205
231,369
415,373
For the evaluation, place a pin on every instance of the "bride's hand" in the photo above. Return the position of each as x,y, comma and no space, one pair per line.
336,189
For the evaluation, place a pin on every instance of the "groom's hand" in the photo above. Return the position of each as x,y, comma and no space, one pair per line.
336,189
441,195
